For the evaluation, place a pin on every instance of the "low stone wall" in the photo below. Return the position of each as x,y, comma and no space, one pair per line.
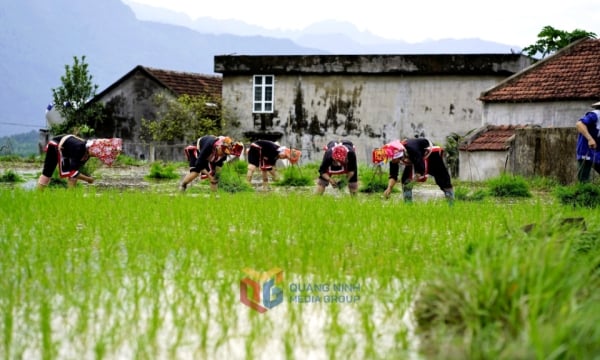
545,152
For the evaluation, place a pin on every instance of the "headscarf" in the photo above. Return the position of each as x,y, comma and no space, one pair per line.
225,144
237,149
292,155
106,150
339,153
394,150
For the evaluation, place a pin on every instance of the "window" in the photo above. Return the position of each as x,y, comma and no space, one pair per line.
263,93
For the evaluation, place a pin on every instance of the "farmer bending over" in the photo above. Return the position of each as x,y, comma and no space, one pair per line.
420,159
70,153
339,159
263,154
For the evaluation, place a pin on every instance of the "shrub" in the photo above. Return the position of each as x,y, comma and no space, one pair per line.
508,186
579,195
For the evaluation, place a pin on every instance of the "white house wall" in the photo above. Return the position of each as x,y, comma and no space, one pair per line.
369,110
481,165
544,114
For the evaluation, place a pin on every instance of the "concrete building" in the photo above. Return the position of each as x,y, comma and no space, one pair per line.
540,106
306,101
129,100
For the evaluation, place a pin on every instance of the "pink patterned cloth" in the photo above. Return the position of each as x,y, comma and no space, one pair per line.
106,150
394,150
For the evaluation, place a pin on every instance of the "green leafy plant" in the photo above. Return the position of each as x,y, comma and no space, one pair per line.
508,186
550,40
451,151
71,101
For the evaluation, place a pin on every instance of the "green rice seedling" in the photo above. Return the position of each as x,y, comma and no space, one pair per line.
373,180
126,160
139,273
295,176
507,185
11,176
241,167
232,178
466,194
495,304
160,171
585,195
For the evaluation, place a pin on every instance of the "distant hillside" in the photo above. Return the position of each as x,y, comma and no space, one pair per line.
24,145
334,37
39,37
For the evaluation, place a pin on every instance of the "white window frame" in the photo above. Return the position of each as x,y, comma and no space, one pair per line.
261,89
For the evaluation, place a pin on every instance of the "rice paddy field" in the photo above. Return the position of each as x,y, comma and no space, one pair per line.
102,273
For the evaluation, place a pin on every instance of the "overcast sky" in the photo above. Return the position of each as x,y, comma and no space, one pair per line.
512,22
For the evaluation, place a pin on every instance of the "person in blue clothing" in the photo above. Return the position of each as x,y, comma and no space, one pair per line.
587,153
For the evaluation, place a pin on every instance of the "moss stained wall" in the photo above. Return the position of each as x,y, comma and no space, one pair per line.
311,110
547,152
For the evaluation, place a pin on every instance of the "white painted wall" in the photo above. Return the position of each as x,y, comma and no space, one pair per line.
547,114
481,165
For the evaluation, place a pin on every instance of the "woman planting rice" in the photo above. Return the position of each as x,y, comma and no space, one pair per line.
70,153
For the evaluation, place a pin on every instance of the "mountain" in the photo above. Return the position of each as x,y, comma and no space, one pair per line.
335,37
40,37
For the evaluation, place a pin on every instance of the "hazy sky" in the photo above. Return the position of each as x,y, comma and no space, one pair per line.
512,22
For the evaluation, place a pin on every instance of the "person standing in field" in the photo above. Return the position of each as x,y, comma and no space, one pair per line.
420,159
70,153
587,144
263,155
207,157
339,159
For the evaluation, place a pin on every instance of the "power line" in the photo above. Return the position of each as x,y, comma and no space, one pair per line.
27,125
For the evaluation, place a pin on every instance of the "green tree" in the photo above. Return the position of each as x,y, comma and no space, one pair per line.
551,40
183,119
71,101
451,148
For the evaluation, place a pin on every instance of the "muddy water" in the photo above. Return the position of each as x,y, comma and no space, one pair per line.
133,177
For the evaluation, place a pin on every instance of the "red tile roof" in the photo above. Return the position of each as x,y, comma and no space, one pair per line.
491,138
188,83
572,73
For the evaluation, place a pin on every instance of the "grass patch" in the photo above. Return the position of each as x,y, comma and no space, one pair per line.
508,186
510,291
579,195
